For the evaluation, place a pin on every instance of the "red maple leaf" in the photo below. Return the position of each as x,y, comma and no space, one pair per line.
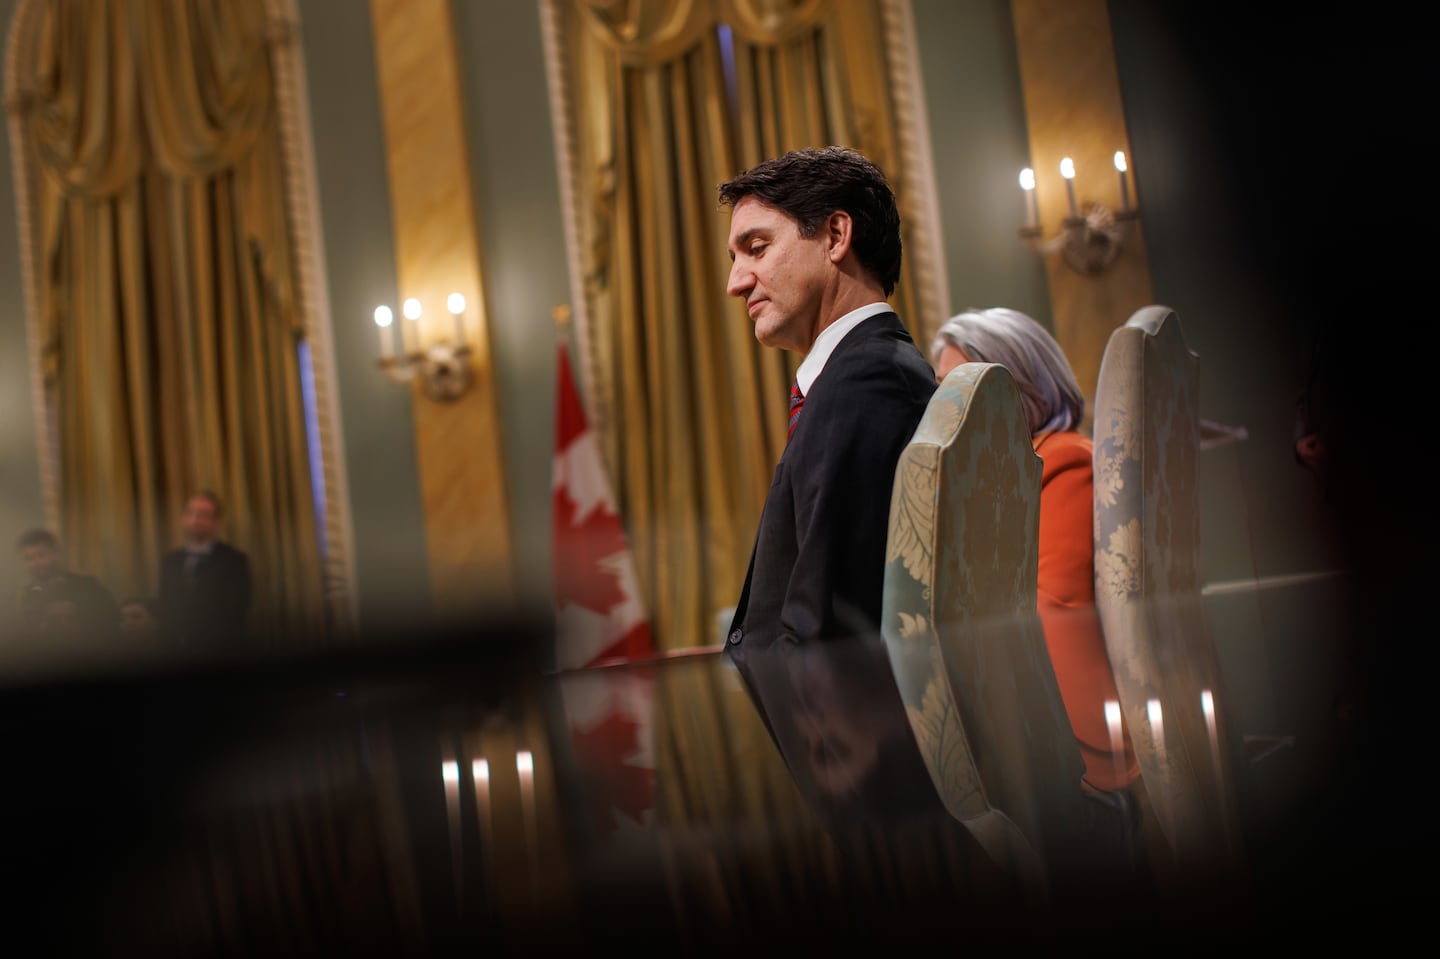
579,576
600,752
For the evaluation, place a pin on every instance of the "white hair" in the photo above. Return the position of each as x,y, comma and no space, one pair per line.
1048,388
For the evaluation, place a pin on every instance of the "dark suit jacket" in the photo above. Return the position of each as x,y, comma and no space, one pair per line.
818,565
210,609
97,613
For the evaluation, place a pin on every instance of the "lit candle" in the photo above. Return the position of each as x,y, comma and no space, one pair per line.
383,319
1027,183
1157,728
1067,170
1121,167
456,304
411,336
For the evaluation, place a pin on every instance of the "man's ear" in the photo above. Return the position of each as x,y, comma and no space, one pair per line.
839,229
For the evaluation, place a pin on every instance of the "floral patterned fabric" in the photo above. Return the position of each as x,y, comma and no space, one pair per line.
961,628
1148,581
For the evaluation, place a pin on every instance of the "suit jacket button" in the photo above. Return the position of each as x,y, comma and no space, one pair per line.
735,635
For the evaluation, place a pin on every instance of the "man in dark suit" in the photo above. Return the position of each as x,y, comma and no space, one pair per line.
205,584
815,250
57,600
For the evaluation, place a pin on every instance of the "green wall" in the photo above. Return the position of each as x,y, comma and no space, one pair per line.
517,199
976,110
376,419
21,504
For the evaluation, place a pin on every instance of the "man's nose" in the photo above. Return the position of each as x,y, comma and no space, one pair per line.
741,281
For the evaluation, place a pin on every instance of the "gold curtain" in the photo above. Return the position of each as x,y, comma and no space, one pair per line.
167,292
693,410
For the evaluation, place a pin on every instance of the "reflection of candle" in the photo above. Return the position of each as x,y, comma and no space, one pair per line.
1027,183
1207,706
1121,167
450,774
525,766
1157,727
456,305
1117,740
383,318
1067,170
480,773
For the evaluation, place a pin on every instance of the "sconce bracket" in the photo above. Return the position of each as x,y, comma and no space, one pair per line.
446,372
1092,240
1089,242
444,369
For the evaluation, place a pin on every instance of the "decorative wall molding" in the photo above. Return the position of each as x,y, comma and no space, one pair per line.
303,202
917,158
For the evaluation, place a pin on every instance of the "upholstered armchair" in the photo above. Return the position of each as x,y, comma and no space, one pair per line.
1148,587
961,629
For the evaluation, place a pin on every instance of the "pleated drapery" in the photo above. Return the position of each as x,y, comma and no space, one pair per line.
166,290
671,98
668,99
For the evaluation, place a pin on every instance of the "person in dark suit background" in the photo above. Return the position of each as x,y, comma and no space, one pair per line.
59,600
815,250
205,585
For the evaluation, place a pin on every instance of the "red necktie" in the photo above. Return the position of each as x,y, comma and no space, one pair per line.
797,400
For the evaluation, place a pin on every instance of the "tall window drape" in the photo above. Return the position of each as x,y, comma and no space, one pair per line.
671,98
166,289
666,100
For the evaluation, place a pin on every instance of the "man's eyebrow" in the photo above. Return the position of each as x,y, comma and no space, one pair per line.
745,238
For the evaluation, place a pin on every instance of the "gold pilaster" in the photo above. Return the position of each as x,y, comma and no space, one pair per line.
1073,108
437,250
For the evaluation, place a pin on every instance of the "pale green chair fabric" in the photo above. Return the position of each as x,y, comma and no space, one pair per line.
1148,585
962,632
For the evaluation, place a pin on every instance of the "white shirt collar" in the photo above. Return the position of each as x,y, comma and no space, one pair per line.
829,338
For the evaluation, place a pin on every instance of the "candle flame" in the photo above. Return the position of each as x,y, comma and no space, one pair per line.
412,309
450,771
480,770
383,316
1120,161
1067,168
1027,179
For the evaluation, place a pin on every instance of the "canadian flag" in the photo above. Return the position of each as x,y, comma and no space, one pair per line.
600,620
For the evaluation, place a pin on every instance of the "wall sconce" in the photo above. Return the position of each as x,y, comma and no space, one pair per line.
1091,237
444,367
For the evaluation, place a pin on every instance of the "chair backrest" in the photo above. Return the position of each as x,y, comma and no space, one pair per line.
961,628
1148,584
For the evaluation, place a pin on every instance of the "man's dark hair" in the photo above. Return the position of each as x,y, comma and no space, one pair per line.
809,185
37,537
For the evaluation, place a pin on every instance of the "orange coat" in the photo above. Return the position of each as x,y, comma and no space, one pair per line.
1067,605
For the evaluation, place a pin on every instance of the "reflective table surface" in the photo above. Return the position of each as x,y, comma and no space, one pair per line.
413,795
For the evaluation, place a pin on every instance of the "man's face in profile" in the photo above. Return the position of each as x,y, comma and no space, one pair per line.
841,743
41,561
199,520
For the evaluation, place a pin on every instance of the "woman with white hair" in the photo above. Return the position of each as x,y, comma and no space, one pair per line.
1054,407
